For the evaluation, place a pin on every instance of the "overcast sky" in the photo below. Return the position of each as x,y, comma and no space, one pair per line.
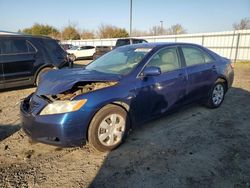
194,15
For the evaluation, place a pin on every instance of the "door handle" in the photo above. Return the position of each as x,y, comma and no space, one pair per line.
213,67
181,75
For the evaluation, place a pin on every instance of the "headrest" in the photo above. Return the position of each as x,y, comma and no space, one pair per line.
168,57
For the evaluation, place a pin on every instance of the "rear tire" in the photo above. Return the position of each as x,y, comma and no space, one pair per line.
108,128
38,77
72,57
216,95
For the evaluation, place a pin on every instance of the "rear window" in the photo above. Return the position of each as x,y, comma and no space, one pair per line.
90,47
87,47
137,41
53,47
122,42
16,46
51,44
194,56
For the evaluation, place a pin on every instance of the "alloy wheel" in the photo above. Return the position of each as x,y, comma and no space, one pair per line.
218,94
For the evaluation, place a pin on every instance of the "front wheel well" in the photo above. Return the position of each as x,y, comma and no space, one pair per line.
119,104
39,70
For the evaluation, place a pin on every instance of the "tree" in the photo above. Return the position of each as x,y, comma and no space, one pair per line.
109,31
243,24
176,29
40,29
139,33
70,33
157,30
86,34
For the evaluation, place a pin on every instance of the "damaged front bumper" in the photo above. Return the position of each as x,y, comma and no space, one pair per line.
66,130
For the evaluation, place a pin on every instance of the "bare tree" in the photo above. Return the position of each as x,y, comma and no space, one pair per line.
176,29
157,30
139,33
243,24
86,34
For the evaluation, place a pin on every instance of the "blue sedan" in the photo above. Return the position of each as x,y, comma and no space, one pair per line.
123,88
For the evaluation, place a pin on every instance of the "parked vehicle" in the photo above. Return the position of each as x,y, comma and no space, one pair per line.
128,41
100,50
66,46
72,49
121,89
82,52
24,58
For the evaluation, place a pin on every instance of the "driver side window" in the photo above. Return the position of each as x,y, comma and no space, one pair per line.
166,59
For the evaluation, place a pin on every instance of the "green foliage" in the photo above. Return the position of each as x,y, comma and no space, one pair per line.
109,31
40,29
70,33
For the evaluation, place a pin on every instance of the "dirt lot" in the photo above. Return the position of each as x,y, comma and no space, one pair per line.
194,147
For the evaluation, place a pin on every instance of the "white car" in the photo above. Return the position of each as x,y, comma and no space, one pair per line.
81,52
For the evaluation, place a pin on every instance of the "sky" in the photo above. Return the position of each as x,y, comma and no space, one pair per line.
194,15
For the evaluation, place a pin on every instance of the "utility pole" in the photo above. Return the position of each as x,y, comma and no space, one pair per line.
161,27
130,27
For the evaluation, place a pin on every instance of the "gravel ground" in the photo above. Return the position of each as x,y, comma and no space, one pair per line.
193,147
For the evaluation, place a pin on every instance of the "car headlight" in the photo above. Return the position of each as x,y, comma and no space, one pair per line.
58,107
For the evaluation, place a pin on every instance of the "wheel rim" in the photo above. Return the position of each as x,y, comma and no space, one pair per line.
111,130
218,94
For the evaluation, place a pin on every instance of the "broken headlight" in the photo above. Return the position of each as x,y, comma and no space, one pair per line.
58,107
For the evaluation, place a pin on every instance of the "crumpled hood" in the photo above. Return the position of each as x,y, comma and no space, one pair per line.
58,81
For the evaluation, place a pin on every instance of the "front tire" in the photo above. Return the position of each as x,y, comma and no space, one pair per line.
216,95
108,128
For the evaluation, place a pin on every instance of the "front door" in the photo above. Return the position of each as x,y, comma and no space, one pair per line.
157,94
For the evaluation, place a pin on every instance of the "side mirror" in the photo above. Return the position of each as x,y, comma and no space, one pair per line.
151,71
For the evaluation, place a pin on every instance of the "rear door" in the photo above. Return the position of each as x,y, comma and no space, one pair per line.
85,51
18,57
81,52
90,50
201,70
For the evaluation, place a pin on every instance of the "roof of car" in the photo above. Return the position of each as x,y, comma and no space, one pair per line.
130,38
18,35
158,44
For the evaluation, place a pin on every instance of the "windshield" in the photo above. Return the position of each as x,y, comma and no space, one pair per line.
119,61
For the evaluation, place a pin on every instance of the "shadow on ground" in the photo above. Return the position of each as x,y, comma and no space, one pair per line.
194,147
8,130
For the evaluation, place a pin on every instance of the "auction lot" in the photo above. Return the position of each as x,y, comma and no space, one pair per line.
193,147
